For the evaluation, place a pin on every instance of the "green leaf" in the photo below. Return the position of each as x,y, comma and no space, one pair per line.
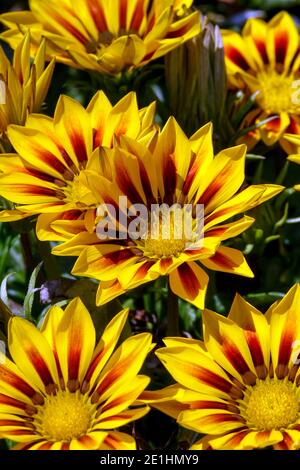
29,298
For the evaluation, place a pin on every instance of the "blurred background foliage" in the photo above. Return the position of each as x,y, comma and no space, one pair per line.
272,245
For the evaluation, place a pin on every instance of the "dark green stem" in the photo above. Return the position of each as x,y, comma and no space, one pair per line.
172,314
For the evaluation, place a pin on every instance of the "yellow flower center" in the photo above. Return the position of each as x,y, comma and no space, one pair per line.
272,404
78,193
277,92
164,248
166,236
64,417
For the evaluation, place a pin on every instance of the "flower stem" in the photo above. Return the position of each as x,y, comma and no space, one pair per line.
172,314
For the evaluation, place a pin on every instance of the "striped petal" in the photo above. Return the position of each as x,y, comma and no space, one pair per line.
226,342
31,351
190,283
228,260
74,337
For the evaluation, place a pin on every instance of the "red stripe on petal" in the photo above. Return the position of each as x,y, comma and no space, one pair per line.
32,190
209,405
126,185
74,353
79,146
210,378
237,438
51,160
286,346
70,28
281,46
236,57
165,263
143,270
234,356
189,280
15,381
169,177
123,13
138,16
294,127
97,15
5,400
66,157
40,365
190,177
261,47
222,260
45,446
145,181
97,137
116,257
255,348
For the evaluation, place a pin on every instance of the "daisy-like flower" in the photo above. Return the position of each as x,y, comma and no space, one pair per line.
240,386
171,170
104,36
265,60
48,176
24,86
62,391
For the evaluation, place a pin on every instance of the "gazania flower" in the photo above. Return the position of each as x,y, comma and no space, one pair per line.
48,177
105,36
171,170
24,86
60,391
240,386
265,60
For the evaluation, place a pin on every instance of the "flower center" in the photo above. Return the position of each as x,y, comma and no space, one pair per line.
166,235
272,405
78,193
164,248
63,417
277,93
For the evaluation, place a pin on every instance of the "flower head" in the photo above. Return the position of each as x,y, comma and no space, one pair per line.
63,391
265,60
48,177
105,36
240,386
24,86
168,180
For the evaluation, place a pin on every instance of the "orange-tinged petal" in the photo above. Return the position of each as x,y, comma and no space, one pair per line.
228,260
118,441
190,283
105,347
31,351
75,341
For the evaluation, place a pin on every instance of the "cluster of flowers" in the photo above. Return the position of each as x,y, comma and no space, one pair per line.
61,390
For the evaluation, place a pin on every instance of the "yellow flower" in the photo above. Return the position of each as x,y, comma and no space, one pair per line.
265,60
106,36
49,176
240,386
172,169
24,86
63,391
